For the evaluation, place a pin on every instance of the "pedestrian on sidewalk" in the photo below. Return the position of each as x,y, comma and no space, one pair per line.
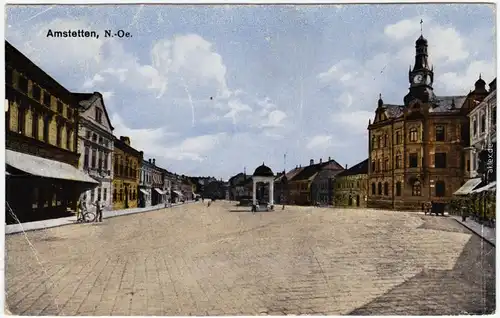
464,213
82,208
98,209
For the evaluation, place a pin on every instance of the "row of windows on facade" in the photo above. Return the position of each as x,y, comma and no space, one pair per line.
22,126
439,162
126,170
49,197
98,159
343,185
36,93
483,122
383,141
97,139
148,177
96,194
416,189
119,196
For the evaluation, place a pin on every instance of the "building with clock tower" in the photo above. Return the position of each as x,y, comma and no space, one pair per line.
417,149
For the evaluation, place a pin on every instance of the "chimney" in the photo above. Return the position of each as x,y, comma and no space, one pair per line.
125,139
300,166
142,154
320,160
149,160
154,161
329,158
346,165
311,162
297,167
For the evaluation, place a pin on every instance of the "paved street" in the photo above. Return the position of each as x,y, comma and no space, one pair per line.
222,260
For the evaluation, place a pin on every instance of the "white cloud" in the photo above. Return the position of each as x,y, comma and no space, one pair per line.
320,141
403,29
274,119
446,44
194,148
459,83
90,83
356,121
149,140
107,95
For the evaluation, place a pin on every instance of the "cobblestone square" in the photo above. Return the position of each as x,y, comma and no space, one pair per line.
224,260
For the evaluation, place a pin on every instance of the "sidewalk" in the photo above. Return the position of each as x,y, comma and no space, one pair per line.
487,233
39,225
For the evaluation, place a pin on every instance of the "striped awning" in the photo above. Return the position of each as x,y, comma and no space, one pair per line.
468,186
46,168
489,187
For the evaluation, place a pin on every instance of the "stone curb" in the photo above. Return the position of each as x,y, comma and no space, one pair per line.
46,224
475,232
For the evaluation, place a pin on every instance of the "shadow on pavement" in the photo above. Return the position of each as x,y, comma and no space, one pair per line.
469,288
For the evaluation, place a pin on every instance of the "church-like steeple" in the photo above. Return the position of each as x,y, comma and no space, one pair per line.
421,76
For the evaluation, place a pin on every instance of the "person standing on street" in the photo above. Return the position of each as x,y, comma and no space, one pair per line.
98,210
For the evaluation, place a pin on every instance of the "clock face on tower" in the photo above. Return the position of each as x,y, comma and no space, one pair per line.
418,79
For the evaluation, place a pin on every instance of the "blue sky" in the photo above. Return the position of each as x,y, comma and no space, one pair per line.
209,90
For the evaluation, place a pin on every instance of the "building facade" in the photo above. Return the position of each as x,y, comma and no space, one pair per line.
95,146
482,150
146,184
41,127
322,186
300,186
126,166
167,185
416,150
157,193
351,186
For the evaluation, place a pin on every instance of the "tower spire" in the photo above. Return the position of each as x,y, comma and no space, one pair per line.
421,23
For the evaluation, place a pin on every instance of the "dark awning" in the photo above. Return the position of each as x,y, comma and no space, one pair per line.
42,167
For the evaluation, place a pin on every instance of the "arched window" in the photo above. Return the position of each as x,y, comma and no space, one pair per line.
373,142
398,189
373,165
440,189
379,165
373,189
114,195
386,188
413,134
386,139
380,188
416,189
380,141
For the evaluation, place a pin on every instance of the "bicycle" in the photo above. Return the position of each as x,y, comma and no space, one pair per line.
86,216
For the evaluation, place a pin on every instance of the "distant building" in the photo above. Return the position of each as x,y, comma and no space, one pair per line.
300,186
41,128
233,181
146,183
322,186
95,147
282,186
351,186
127,166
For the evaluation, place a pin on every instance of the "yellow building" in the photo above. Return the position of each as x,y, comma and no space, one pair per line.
127,166
41,123
351,186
